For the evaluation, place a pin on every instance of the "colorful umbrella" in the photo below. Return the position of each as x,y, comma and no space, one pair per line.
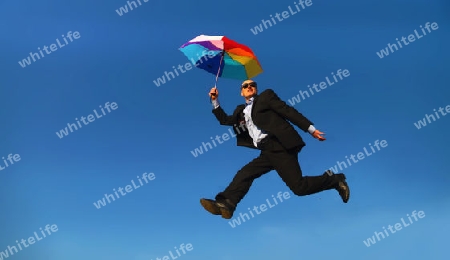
223,57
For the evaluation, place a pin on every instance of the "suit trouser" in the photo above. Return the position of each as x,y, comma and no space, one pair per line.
274,157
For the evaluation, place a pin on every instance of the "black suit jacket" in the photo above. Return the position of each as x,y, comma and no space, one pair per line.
270,114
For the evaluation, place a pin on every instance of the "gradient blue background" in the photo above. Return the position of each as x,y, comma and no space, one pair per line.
155,128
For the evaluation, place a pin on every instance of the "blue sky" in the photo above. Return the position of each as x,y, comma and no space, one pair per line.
154,129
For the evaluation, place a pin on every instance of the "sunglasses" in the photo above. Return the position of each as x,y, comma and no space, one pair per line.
250,84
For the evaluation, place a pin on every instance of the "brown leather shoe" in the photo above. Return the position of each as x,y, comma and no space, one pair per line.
342,187
224,208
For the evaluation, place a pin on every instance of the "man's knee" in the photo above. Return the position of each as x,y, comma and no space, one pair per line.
300,189
300,192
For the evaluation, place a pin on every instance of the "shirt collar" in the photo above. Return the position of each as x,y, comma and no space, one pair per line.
250,101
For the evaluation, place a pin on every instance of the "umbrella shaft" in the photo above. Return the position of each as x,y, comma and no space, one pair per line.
218,71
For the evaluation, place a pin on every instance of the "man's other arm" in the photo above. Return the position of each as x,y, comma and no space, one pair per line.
288,112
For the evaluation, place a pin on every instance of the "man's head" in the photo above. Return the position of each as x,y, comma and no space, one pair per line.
249,88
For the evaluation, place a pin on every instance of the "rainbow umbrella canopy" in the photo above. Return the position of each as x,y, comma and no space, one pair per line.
222,57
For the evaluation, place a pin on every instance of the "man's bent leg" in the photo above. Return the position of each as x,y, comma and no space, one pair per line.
244,178
288,168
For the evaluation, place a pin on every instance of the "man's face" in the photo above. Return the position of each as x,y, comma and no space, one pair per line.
248,89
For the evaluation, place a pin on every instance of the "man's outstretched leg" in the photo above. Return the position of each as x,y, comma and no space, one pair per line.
287,166
225,202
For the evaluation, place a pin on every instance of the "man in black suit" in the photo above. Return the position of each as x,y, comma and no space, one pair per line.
263,123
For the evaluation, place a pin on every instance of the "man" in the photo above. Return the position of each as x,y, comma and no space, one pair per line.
263,123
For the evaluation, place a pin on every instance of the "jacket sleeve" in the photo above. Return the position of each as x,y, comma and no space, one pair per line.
225,119
286,111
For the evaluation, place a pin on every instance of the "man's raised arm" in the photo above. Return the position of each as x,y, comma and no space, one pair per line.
220,114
